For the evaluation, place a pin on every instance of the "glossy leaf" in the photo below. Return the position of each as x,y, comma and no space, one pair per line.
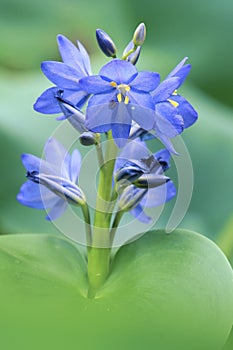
170,290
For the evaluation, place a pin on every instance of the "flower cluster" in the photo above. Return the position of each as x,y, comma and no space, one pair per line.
119,96
122,105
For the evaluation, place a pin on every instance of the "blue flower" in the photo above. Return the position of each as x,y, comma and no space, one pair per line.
145,182
120,95
172,112
65,75
52,181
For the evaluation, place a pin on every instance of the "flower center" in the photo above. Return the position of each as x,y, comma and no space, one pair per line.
122,92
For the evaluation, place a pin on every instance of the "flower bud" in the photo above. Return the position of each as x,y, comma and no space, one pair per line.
130,198
105,43
134,56
62,187
130,172
88,138
139,35
151,181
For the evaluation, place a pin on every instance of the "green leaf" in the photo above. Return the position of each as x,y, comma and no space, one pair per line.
174,291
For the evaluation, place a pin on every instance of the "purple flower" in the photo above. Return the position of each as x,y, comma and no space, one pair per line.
145,182
120,95
52,181
65,76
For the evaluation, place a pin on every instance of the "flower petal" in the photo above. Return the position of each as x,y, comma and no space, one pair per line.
139,214
146,81
61,161
85,58
105,98
135,149
159,195
57,210
36,196
165,89
143,116
186,110
121,124
98,117
94,84
47,103
180,71
75,165
166,142
70,54
31,162
61,74
163,156
118,71
168,121
141,98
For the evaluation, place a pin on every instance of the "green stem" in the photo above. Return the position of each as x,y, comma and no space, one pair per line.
115,225
99,154
100,251
86,215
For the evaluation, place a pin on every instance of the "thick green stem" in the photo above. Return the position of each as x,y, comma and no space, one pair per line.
100,251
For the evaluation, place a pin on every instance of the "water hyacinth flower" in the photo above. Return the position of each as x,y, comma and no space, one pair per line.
65,76
144,174
51,181
121,94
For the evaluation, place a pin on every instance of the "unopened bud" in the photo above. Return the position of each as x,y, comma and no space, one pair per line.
130,173
105,43
88,138
130,198
151,181
134,56
139,35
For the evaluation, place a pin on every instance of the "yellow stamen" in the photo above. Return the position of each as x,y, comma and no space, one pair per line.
113,84
175,92
174,103
126,100
119,97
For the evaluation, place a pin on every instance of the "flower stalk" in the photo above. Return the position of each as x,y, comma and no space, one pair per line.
100,252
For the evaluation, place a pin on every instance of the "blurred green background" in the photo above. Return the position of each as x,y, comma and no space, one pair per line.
200,30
